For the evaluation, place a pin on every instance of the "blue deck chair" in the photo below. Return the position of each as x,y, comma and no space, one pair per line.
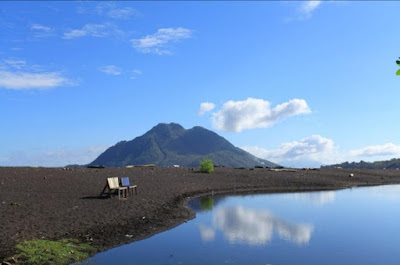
126,183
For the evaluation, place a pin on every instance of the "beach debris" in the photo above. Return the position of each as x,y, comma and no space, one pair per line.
310,168
12,261
147,165
129,236
282,170
351,175
175,166
144,217
95,166
15,204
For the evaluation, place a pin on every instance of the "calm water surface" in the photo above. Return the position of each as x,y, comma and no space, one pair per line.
353,226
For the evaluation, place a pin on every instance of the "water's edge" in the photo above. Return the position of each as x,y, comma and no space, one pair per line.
181,207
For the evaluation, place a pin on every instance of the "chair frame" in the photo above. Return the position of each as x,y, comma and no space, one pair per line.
129,186
112,186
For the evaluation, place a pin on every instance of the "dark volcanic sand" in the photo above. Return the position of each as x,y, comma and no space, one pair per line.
53,203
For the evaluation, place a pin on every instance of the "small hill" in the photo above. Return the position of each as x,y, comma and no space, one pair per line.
170,144
387,164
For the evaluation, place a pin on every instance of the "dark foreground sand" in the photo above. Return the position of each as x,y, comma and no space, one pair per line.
54,203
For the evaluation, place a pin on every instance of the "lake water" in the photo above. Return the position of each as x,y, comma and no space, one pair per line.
352,226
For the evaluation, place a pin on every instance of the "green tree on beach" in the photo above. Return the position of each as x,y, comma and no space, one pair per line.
398,63
206,166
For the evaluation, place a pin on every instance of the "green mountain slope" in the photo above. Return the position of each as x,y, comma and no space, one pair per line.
388,164
170,144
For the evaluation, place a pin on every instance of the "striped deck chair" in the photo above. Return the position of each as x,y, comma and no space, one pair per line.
126,183
112,186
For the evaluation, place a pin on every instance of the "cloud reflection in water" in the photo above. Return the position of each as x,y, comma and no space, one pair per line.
254,227
316,198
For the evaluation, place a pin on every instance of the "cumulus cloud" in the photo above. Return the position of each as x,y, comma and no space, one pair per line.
54,158
93,30
111,69
310,151
18,75
236,116
308,7
205,107
159,42
388,149
256,227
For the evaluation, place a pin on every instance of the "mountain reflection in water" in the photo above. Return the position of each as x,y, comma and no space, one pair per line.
253,227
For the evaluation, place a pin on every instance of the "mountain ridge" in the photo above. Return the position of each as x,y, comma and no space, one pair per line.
384,164
170,144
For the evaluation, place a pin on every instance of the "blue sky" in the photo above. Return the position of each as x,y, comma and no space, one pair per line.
298,83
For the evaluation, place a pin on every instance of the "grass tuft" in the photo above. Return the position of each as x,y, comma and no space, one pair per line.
43,252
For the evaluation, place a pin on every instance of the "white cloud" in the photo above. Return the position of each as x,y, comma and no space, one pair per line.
17,74
158,42
15,63
111,70
137,72
256,227
55,158
205,107
112,10
122,13
388,149
39,27
93,30
236,116
308,7
41,31
25,80
308,152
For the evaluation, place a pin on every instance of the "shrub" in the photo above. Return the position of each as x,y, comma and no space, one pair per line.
206,166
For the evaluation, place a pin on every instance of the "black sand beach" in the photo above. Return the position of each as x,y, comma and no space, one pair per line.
55,203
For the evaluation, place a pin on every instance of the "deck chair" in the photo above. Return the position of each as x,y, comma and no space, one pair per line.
126,183
112,186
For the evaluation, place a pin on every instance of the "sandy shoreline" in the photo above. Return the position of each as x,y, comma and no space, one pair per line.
53,203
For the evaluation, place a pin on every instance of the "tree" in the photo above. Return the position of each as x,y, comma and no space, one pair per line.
398,63
206,166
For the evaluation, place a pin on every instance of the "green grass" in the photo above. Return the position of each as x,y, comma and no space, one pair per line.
43,252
